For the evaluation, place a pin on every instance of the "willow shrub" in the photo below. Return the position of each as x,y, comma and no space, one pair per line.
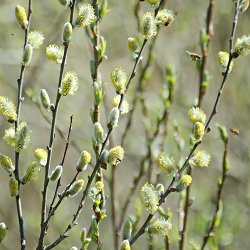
108,153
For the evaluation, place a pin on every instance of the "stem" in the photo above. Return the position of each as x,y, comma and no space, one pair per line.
51,141
17,155
214,111
62,163
219,197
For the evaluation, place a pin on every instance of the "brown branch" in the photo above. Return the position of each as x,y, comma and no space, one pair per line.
212,228
17,155
51,140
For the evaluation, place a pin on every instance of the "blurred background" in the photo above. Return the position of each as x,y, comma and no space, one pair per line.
170,48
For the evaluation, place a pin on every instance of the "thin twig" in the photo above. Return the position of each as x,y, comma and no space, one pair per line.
51,141
214,111
17,156
212,228
62,163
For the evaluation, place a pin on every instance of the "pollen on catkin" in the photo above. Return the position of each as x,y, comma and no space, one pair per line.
99,185
13,186
149,197
160,227
41,155
83,161
223,59
10,137
54,53
200,159
166,162
3,231
184,182
76,188
36,39
119,79
148,27
69,84
31,173
115,155
199,131
45,100
7,108
125,245
21,17
85,15
23,136
7,164
195,114
165,17
242,46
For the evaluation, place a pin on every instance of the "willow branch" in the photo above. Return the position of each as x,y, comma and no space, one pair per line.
213,113
212,228
51,140
17,156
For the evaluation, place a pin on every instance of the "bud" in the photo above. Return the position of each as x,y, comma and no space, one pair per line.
27,55
3,231
73,248
54,53
197,115
41,155
199,130
84,240
244,5
36,39
10,137
67,33
149,198
160,227
7,164
166,162
113,118
13,186
76,188
56,173
104,158
184,182
83,161
98,94
165,17
124,106
160,189
98,132
200,159
148,26
22,136
21,17
125,245
133,44
45,99
119,79
242,46
99,185
69,84
223,133
7,108
31,173
116,155
85,15
223,59
127,229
